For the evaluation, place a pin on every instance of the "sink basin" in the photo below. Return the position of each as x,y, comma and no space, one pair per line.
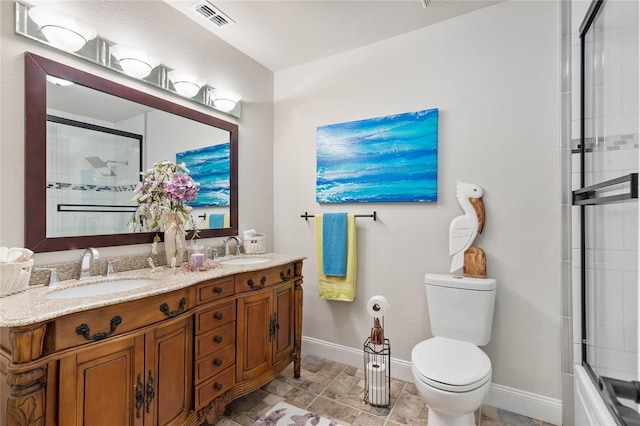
99,289
245,260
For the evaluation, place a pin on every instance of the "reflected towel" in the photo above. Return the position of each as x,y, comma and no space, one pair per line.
225,222
334,244
216,221
337,288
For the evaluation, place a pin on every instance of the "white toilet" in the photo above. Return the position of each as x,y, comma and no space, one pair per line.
451,372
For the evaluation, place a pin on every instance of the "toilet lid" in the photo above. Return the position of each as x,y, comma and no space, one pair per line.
451,365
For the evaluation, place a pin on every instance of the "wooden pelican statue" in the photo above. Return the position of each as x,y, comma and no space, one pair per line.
464,229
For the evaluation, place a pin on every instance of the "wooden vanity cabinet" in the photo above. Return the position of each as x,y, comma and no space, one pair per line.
265,330
138,379
172,359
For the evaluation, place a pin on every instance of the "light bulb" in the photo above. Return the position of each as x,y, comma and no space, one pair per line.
134,61
185,84
225,99
61,30
58,81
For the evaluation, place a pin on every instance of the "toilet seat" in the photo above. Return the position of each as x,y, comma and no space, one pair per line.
450,365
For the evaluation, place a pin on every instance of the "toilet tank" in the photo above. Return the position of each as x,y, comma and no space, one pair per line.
461,308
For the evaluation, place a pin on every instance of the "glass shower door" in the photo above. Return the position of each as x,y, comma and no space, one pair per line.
609,203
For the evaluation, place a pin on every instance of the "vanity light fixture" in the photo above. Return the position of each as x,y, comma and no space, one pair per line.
225,99
61,30
134,61
185,84
64,32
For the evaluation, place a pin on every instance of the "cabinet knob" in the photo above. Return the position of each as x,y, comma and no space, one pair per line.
218,290
218,362
218,339
218,316
218,386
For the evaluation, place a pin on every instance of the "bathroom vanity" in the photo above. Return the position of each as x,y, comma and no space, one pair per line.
173,352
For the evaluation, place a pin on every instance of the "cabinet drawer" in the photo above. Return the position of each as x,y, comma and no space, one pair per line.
210,291
98,324
207,391
215,316
256,280
215,340
214,364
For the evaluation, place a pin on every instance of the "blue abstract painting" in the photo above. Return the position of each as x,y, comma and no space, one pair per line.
385,159
209,166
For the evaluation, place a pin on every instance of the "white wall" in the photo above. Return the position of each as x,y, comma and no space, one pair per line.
494,75
181,44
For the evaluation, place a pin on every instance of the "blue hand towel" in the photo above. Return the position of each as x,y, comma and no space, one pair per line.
216,221
334,244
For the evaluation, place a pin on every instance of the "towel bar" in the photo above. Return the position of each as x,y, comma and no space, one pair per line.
374,215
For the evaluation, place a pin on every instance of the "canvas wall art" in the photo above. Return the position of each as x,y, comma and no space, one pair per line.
384,159
209,166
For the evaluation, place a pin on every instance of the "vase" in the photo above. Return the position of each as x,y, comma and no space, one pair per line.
174,240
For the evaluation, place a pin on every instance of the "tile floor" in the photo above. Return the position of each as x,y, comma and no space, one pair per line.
336,391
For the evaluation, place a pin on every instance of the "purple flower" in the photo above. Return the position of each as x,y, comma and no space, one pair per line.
180,188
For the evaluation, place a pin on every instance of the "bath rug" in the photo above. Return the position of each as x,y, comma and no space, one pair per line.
283,414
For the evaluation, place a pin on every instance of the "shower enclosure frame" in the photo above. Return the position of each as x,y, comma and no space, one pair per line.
621,188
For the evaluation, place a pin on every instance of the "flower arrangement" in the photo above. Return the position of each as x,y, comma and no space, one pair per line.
165,188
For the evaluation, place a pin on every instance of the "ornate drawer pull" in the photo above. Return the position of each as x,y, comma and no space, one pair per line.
218,316
139,396
218,339
218,362
83,330
164,308
273,326
284,277
218,386
150,392
218,290
254,286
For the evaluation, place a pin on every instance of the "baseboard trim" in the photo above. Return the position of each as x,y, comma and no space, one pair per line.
515,400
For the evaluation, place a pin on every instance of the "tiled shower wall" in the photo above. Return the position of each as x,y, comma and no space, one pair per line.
71,179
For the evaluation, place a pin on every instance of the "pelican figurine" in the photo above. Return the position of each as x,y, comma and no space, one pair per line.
464,229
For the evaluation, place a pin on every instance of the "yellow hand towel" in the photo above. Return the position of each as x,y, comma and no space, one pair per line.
338,288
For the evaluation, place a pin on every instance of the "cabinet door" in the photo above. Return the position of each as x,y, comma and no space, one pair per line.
168,373
98,385
253,346
283,339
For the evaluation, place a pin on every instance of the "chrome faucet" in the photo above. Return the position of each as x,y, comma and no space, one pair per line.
53,276
225,245
89,256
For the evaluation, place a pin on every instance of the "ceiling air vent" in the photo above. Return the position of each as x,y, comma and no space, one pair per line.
212,14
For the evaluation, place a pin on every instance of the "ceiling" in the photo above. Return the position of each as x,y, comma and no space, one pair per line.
284,33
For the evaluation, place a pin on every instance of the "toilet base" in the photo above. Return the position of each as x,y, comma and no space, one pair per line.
443,419
451,408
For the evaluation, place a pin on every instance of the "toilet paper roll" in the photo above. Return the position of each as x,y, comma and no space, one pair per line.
377,306
376,374
378,395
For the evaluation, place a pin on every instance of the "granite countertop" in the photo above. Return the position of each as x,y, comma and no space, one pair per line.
32,306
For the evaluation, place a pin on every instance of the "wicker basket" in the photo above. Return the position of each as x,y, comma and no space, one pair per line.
14,277
255,245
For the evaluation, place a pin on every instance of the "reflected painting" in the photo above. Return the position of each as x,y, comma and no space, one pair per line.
209,166
385,159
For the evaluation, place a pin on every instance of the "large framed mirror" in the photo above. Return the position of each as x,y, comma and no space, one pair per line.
85,145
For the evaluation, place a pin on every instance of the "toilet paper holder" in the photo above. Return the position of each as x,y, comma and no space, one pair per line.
377,371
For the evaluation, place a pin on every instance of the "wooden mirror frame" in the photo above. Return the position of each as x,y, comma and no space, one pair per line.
36,70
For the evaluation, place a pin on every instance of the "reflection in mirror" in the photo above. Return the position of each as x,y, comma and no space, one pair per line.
95,137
